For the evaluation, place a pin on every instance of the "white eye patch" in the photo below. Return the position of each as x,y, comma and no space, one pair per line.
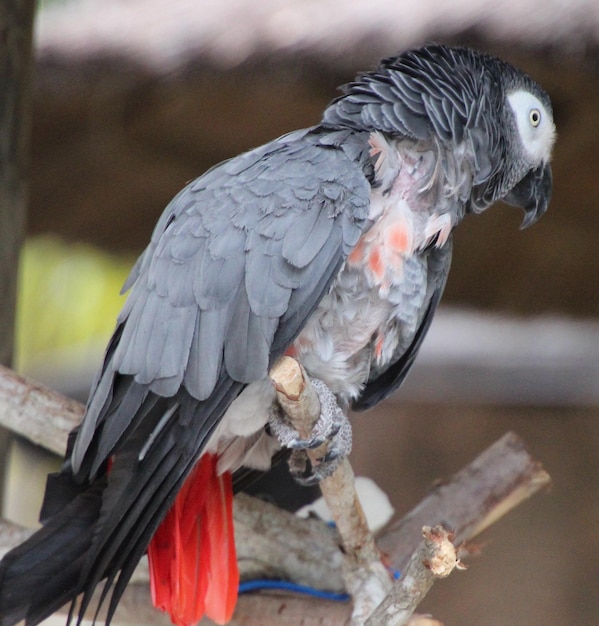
535,125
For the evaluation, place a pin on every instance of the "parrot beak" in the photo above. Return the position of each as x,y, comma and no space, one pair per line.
532,194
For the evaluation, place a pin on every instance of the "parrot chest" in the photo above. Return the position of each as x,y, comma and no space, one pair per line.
376,304
359,325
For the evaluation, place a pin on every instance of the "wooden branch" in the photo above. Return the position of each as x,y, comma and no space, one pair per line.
367,579
276,544
37,413
435,558
496,481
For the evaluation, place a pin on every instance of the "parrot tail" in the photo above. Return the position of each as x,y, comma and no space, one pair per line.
38,576
193,564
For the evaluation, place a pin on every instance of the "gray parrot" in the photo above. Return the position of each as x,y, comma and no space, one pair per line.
331,244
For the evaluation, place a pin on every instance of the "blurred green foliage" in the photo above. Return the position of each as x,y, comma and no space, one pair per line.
69,295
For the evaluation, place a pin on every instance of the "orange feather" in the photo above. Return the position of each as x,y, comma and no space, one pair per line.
193,564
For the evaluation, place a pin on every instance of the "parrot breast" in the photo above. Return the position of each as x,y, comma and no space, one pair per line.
375,304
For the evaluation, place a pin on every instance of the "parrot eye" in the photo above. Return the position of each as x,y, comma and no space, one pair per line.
534,117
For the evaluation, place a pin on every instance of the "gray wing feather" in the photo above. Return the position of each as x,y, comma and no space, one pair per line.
179,323
215,278
247,346
253,256
306,239
205,355
267,297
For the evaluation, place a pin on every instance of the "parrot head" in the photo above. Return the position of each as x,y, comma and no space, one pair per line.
514,133
466,103
535,135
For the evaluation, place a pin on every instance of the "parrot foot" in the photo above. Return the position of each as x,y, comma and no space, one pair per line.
332,427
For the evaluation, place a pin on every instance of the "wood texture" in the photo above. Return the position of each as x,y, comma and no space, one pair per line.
35,412
435,558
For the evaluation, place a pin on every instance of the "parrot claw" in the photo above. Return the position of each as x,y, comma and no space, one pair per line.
313,442
306,474
301,469
332,427
330,456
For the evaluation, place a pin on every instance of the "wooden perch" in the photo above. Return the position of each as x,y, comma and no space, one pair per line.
477,496
497,481
494,483
435,558
272,543
367,579
37,413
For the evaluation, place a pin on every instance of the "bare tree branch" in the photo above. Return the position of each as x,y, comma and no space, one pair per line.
35,412
435,558
367,579
274,543
497,481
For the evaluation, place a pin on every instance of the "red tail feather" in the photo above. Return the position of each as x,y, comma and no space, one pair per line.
193,565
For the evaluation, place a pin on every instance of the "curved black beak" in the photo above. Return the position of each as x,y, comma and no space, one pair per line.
532,194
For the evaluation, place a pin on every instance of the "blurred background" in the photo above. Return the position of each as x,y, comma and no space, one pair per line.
131,99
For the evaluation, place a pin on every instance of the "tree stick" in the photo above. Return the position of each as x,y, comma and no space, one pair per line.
367,579
497,481
435,558
276,544
31,410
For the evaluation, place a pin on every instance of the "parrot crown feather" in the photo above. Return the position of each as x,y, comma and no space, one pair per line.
433,89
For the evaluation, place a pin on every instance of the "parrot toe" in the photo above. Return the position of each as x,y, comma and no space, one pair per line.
307,474
332,428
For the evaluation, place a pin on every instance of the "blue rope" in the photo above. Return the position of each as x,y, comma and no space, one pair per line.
285,585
